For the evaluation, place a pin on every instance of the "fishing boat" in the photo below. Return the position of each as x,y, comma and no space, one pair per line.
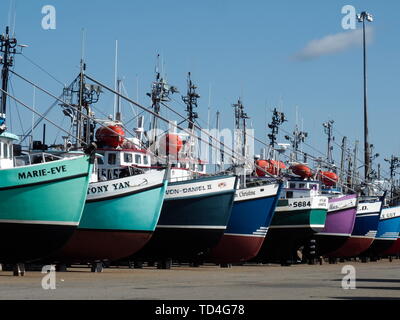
253,208
197,206
365,228
300,213
124,198
387,233
339,223
248,225
42,196
342,207
119,217
301,209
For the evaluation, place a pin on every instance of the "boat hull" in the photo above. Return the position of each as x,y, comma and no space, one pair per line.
118,220
364,231
291,228
339,224
193,219
387,234
394,250
251,217
42,205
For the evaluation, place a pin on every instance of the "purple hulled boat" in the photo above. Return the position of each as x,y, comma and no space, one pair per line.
339,223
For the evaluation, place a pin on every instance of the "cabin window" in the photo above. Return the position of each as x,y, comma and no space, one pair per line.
128,157
289,194
145,160
200,167
292,185
10,154
302,185
112,158
5,150
138,159
100,160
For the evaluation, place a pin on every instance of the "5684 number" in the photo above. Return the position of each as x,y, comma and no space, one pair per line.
301,204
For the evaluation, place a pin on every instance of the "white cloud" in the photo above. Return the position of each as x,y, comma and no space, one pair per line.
334,43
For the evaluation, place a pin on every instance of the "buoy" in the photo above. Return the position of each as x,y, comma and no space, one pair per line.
329,178
111,136
271,166
170,144
301,170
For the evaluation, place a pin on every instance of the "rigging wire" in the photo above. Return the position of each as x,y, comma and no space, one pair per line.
44,70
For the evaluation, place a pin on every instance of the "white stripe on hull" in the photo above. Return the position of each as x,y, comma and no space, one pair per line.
245,235
256,192
119,187
388,213
334,234
199,188
298,226
36,222
191,227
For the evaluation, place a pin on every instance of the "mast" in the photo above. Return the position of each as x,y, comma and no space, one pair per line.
191,103
278,118
118,112
81,95
394,164
355,163
240,126
343,158
328,127
219,161
160,92
7,47
298,138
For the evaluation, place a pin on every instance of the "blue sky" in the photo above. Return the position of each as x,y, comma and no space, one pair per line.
237,48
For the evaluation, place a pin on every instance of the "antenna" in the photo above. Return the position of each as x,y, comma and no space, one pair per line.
7,47
33,114
83,39
328,128
191,103
116,79
278,118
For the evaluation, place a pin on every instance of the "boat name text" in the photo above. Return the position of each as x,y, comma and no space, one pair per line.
41,173
189,190
104,188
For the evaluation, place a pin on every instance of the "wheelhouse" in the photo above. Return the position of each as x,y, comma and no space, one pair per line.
300,189
116,163
6,150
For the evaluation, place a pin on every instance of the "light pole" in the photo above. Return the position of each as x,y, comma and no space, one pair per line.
361,18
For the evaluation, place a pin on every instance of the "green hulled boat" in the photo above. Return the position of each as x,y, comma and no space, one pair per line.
300,213
42,201
41,195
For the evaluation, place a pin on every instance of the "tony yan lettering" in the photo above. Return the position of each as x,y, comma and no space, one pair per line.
105,188
41,173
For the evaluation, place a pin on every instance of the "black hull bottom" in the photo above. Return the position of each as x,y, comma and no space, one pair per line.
21,243
179,244
378,247
328,243
281,245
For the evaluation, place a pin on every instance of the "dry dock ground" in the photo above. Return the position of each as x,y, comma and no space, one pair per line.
374,280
